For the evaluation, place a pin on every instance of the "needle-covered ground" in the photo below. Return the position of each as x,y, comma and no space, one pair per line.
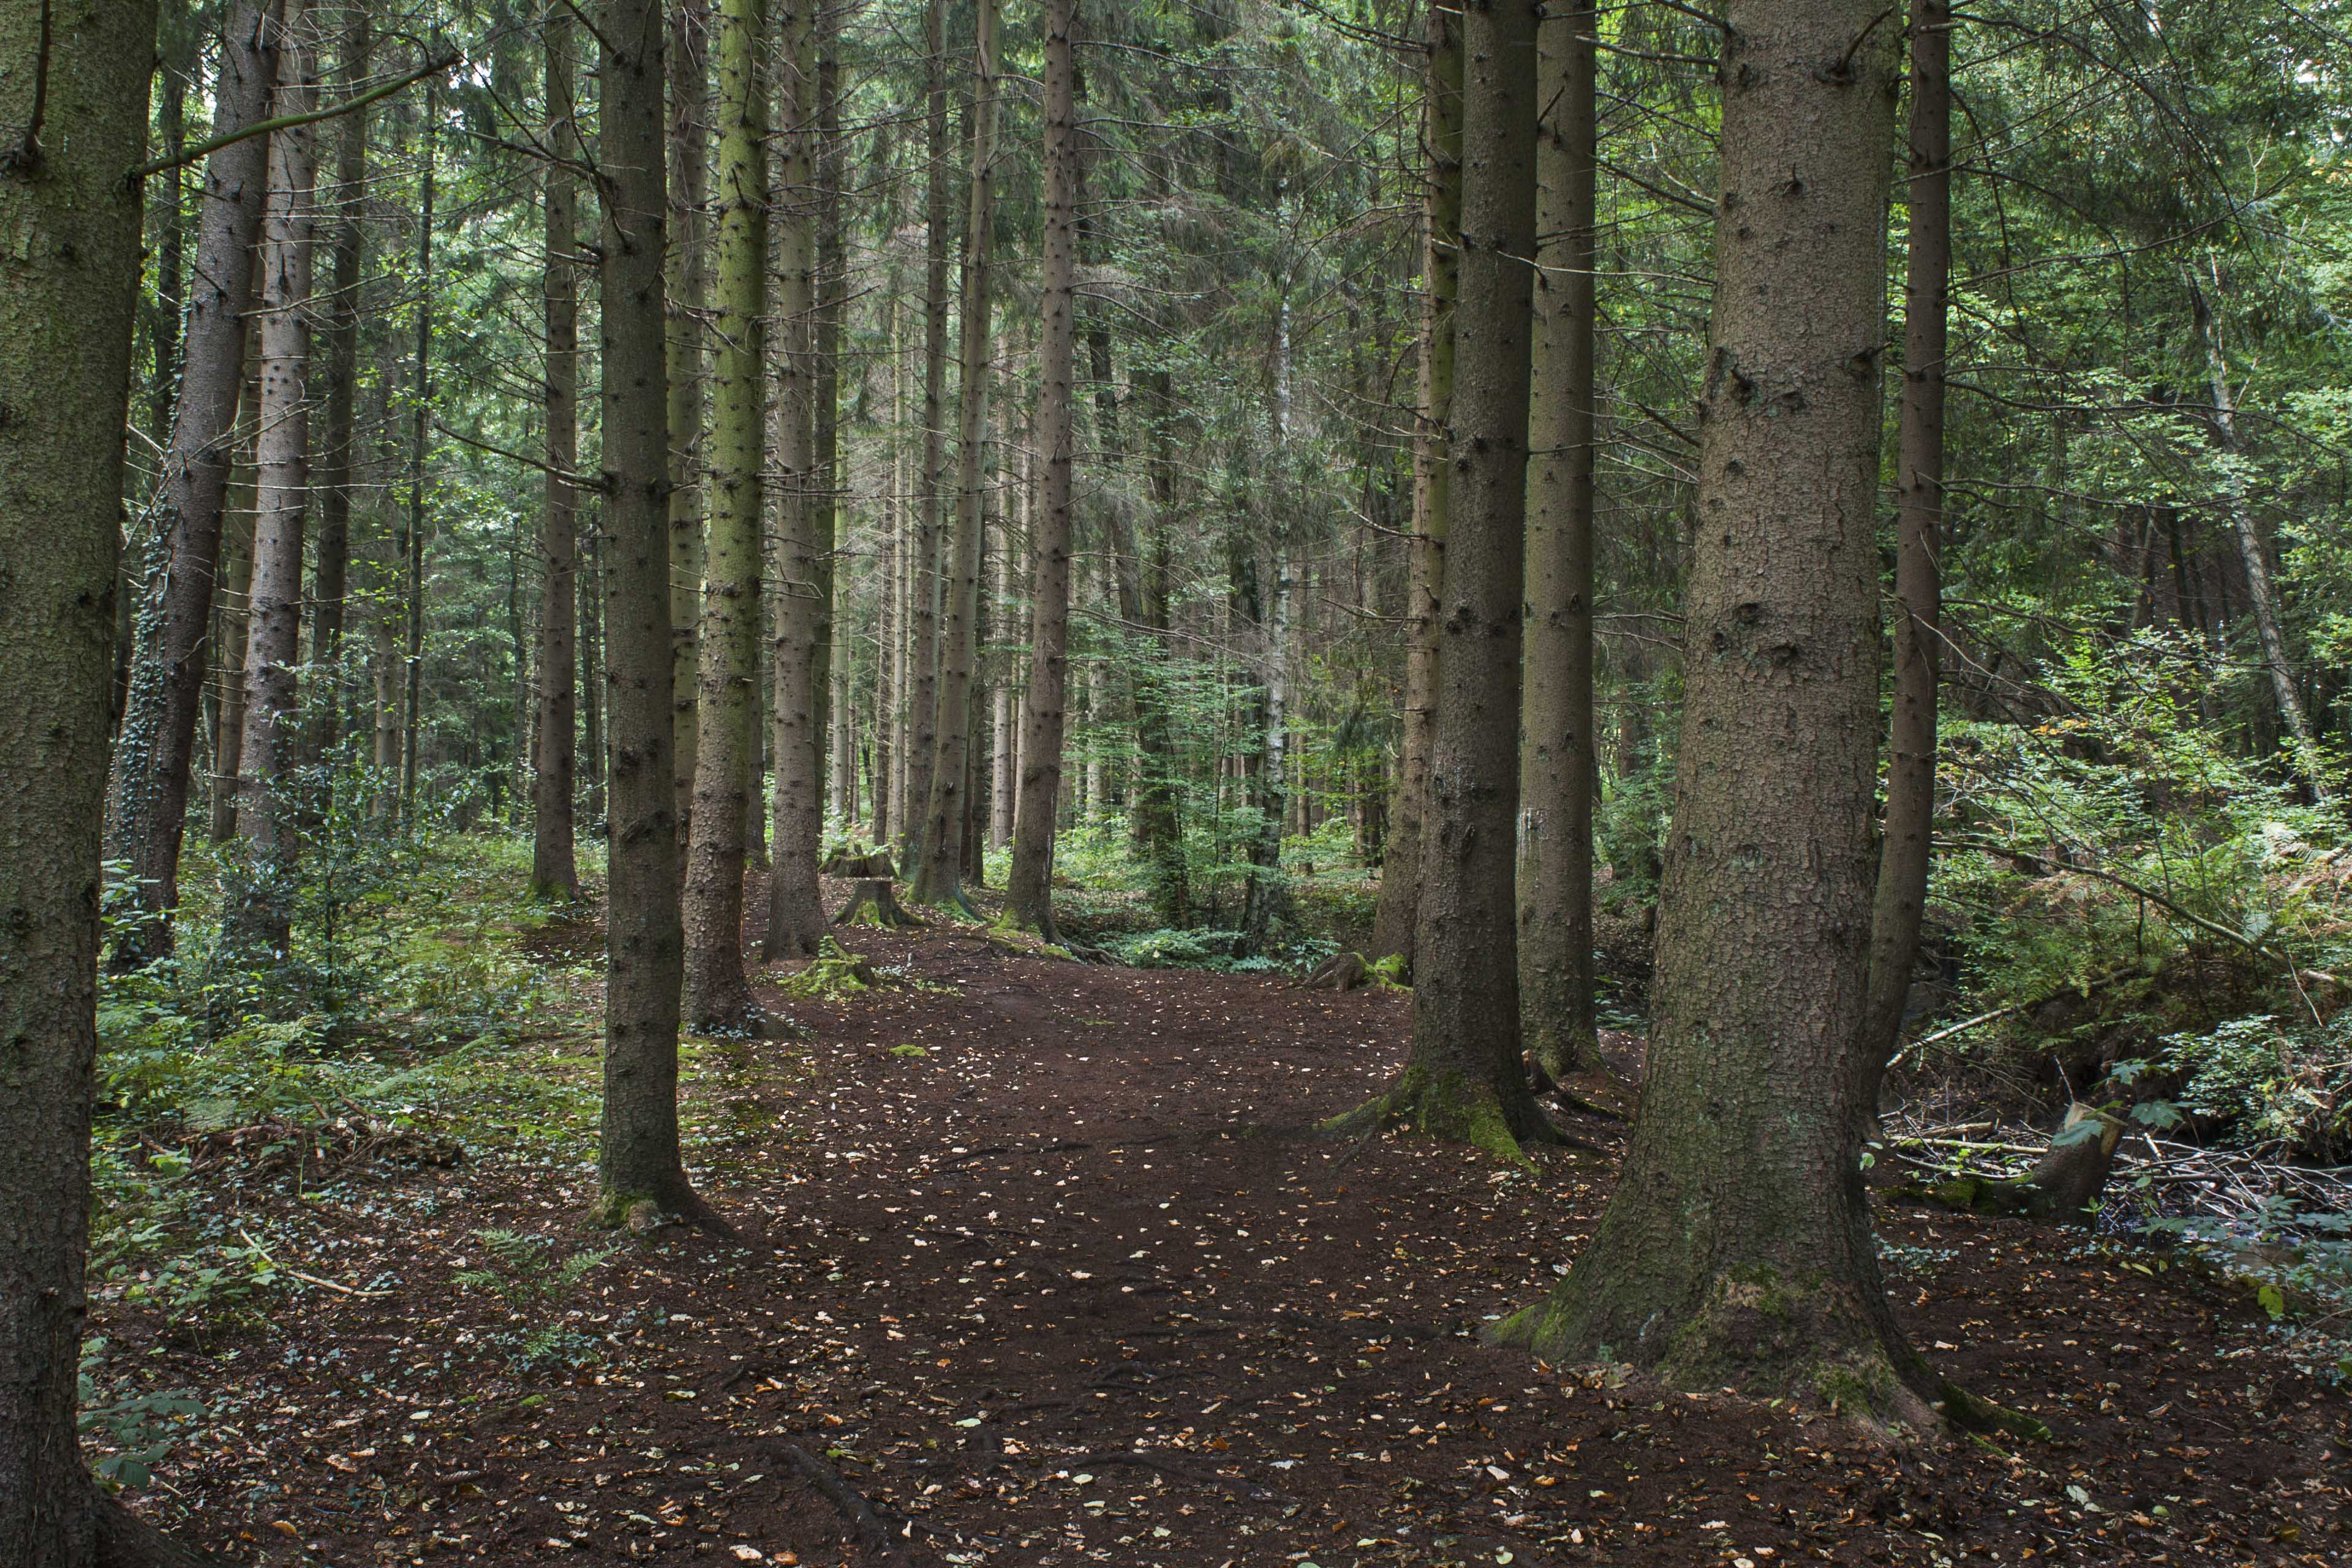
1037,1266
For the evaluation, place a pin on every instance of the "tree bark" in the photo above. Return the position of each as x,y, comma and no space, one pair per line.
1160,792
688,283
235,596
338,460
1463,1078
148,804
718,997
925,594
1737,1249
831,735
1556,772
1904,847
1395,922
67,310
554,863
939,875
796,919
1028,890
639,1159
412,543
266,758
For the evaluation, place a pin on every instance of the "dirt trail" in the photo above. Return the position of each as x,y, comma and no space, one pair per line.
1071,1286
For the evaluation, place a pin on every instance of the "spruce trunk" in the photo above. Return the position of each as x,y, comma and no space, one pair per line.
718,997
554,862
1736,1249
924,588
688,280
1556,773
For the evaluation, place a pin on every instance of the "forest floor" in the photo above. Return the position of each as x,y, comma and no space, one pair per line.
1039,1264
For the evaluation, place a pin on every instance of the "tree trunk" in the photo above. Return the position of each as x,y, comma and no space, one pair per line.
420,446
688,284
1395,922
266,761
554,866
1905,845
338,460
1555,868
718,997
1003,724
1028,891
1159,790
831,737
2224,422
921,739
939,875
1463,1078
154,756
638,1160
1736,1249
67,310
796,921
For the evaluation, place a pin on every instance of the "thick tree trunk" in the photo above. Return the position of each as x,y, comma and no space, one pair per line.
266,758
1396,921
1905,845
939,875
1736,1249
1556,776
925,592
554,865
718,997
153,759
65,316
796,919
1028,890
337,460
1464,1079
639,1167
688,280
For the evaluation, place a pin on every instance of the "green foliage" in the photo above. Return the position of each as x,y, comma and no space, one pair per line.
132,1433
526,1273
2282,1086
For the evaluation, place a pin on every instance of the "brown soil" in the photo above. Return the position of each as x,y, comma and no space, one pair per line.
1073,1286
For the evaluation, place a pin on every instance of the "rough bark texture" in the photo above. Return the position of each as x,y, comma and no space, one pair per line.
718,998
796,921
1905,845
1395,924
638,1161
939,876
554,862
1736,1249
266,759
154,763
236,584
68,286
1556,769
1159,793
689,282
420,445
925,590
1464,1079
1028,889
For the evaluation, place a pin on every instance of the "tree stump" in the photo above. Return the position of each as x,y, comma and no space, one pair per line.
859,863
1340,971
875,902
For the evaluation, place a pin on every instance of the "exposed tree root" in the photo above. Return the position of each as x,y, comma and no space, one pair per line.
875,902
645,1213
852,1504
1451,1106
126,1540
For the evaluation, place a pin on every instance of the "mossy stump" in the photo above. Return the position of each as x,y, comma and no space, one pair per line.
874,902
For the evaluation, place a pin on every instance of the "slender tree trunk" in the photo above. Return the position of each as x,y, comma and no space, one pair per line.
1556,776
1028,891
1905,846
937,876
413,540
824,385
888,610
1159,793
718,997
154,757
2265,598
67,310
266,759
639,1167
554,865
796,919
688,283
1463,1078
1003,787
337,453
594,732
923,655
1395,924
1736,1250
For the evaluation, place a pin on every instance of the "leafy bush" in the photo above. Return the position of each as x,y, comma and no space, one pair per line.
2285,1087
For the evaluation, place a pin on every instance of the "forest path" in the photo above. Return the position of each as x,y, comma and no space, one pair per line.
1076,1285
